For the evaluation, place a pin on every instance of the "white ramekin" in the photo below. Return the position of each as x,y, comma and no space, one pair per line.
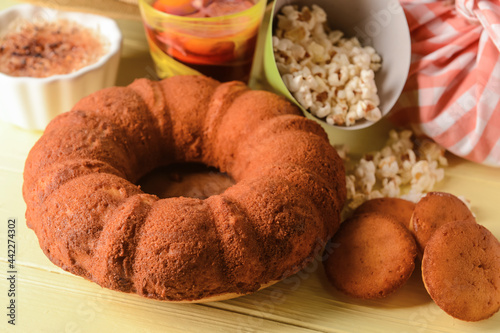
31,102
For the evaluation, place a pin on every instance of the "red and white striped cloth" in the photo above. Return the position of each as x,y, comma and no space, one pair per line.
453,90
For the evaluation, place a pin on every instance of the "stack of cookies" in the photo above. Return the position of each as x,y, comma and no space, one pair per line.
374,253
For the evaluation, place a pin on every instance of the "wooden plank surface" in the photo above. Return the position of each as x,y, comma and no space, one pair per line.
51,300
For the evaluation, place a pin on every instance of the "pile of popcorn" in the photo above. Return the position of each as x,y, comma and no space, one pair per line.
329,75
404,168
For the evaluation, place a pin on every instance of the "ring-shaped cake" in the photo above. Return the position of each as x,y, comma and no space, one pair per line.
92,220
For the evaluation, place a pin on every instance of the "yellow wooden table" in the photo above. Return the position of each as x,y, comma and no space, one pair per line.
49,299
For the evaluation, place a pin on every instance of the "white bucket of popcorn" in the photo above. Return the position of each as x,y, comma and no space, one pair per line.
343,62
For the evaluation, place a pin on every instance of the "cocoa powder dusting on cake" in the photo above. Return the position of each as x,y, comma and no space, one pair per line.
49,48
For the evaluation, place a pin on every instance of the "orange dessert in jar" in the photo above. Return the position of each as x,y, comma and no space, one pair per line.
47,48
214,37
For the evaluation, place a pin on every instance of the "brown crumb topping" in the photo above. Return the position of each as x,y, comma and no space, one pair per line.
44,49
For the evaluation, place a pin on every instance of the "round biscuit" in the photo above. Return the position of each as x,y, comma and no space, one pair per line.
373,255
434,210
400,209
461,270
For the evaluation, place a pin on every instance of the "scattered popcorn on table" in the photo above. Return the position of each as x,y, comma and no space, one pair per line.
329,75
404,168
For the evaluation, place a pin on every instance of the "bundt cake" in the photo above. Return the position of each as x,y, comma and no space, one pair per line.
92,220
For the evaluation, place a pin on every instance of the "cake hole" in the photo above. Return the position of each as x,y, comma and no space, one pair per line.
191,180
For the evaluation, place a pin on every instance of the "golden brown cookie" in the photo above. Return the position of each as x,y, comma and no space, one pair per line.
461,270
434,210
398,208
373,255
